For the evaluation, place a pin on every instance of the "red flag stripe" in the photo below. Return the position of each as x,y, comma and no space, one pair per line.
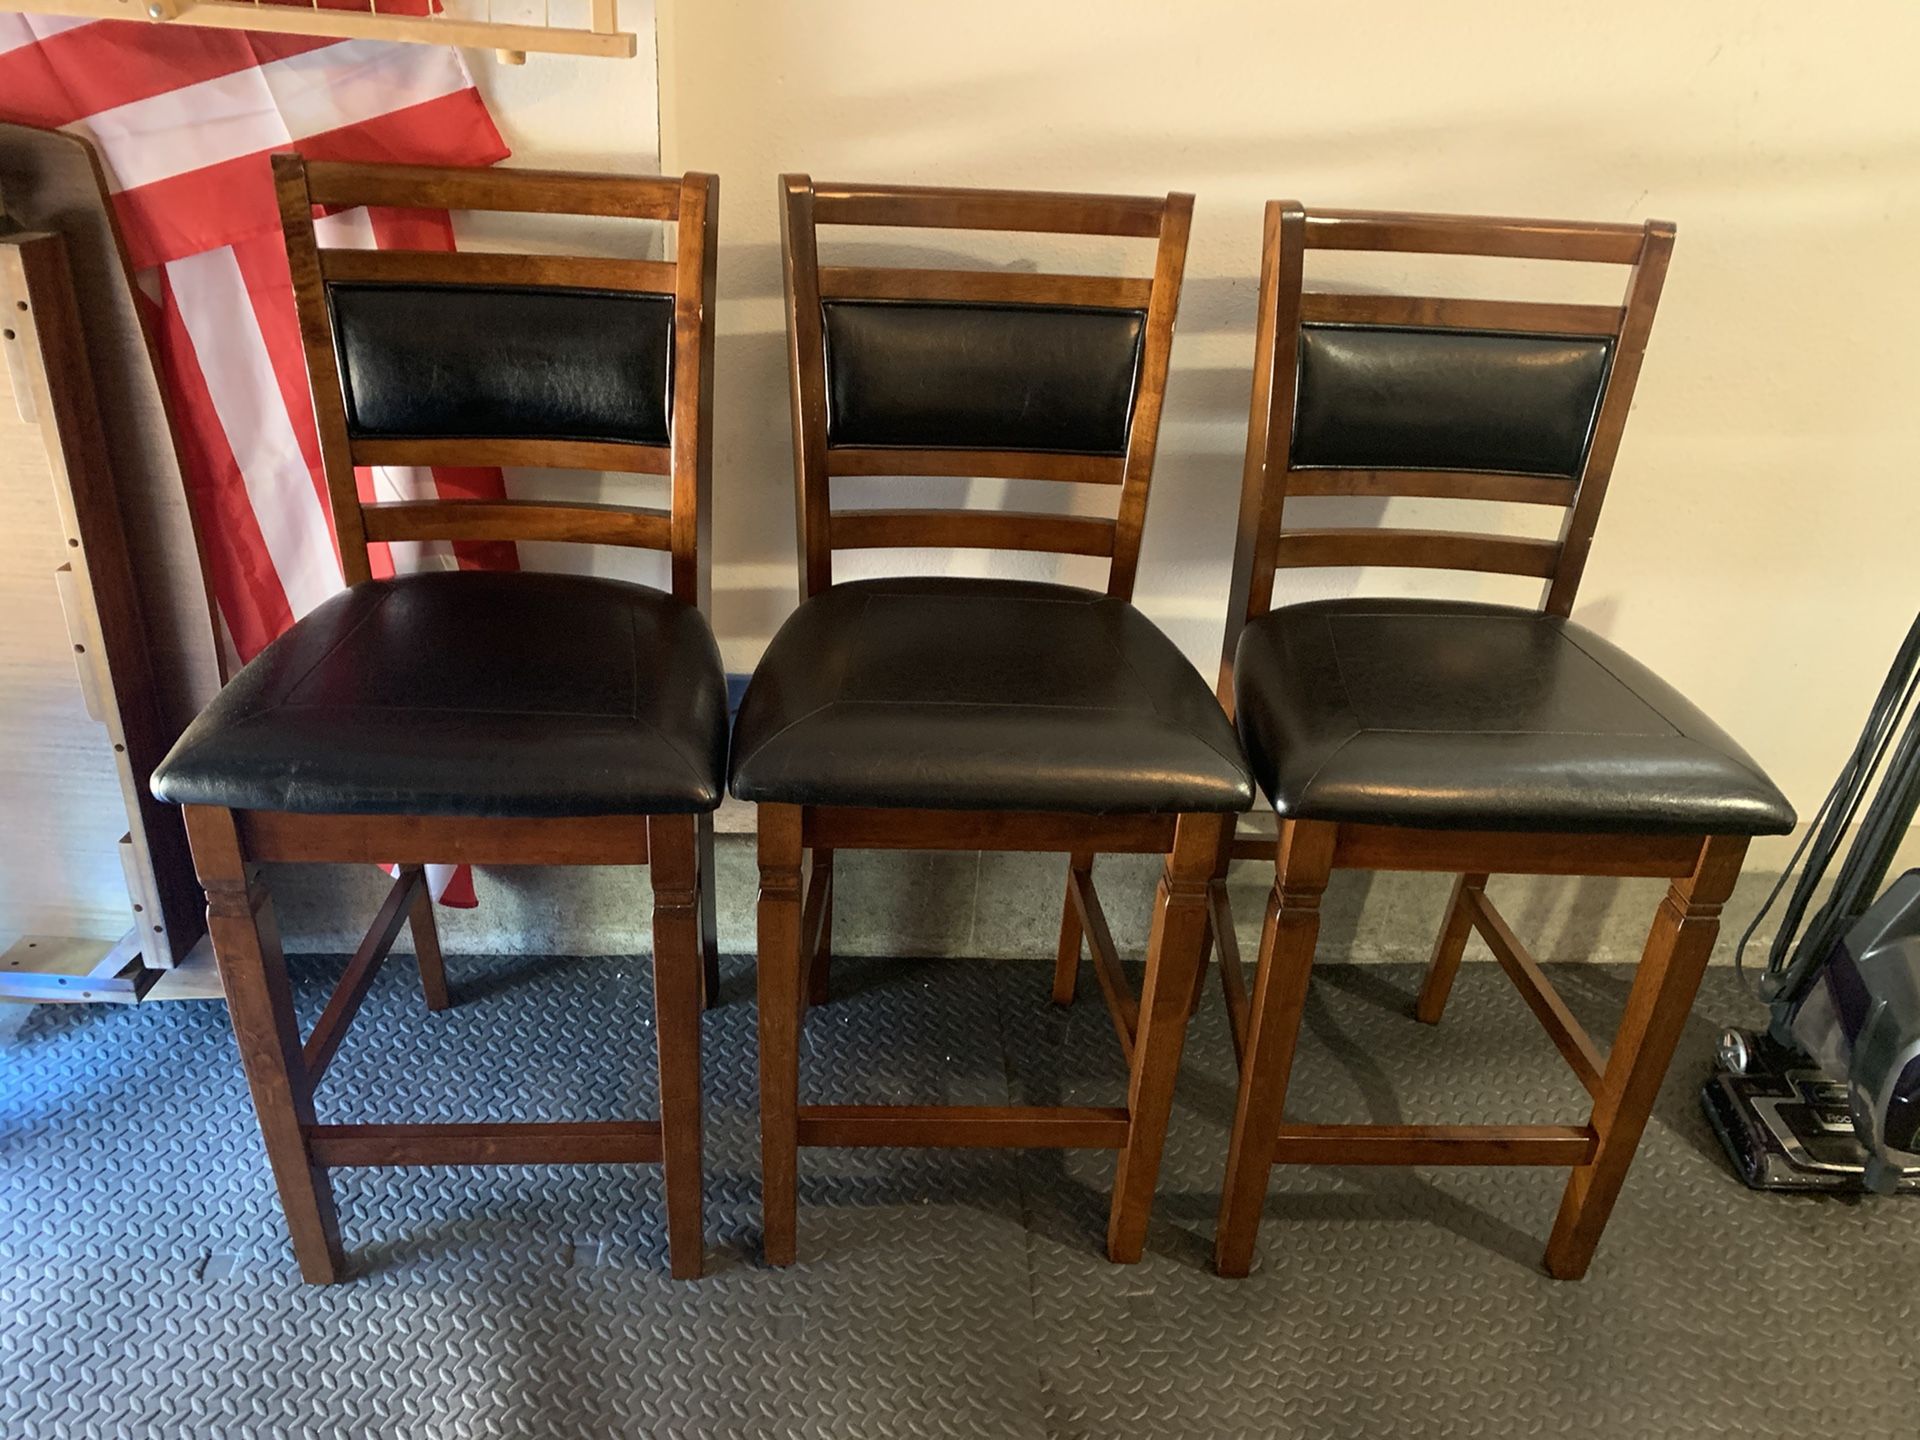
221,203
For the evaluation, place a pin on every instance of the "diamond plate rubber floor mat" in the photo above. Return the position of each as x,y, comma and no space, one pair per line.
146,1288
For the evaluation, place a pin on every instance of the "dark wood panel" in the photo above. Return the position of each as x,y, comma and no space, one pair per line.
852,828
971,530
550,192
518,520
1435,484
989,1127
1010,287
1330,307
1435,1145
1473,235
1418,549
442,839
536,454
479,267
598,1142
950,208
983,464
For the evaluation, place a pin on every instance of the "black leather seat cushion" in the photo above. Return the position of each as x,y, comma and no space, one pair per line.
957,694
1464,716
469,693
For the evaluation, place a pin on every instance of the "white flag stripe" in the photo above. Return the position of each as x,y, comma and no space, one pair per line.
219,319
18,30
360,80
266,108
181,130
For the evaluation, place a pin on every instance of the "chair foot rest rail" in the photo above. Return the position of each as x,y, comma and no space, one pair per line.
599,1142
986,1127
1435,1145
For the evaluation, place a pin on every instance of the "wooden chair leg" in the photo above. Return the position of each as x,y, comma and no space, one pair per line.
678,989
1447,951
1066,964
1287,940
1220,866
709,915
253,972
1675,958
819,965
426,949
780,978
1173,955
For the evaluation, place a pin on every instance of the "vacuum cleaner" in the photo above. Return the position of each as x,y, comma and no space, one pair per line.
1827,1097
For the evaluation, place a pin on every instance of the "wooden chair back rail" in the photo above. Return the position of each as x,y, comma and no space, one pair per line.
1418,550
809,205
1265,543
541,454
971,530
1008,287
488,267
1498,236
513,191
623,525
978,464
1436,484
688,203
943,207
1339,307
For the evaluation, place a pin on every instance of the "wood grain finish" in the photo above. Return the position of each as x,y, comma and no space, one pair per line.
1329,307
679,847
549,1142
689,203
623,525
981,464
1269,478
1418,549
480,267
517,191
807,205
1474,235
846,827
1434,1145
331,1028
940,207
537,454
1435,484
1702,868
794,921
1001,287
970,530
1569,1037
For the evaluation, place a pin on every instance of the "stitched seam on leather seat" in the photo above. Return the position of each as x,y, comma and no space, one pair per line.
797,720
1574,640
1233,758
285,702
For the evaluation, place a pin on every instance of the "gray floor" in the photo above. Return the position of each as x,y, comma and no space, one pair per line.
146,1289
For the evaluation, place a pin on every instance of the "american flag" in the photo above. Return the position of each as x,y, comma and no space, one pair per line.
184,120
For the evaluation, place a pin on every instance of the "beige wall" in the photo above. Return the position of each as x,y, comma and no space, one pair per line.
1757,544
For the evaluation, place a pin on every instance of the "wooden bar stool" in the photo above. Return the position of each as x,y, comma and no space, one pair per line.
962,714
1470,738
473,716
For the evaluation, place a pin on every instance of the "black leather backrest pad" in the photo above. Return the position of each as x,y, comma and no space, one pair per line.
504,362
947,376
1399,398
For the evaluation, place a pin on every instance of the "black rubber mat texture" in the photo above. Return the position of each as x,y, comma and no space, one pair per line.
146,1288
